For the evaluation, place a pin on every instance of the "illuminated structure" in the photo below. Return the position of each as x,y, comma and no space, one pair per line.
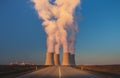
49,59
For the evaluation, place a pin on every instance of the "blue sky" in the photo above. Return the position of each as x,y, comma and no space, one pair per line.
23,37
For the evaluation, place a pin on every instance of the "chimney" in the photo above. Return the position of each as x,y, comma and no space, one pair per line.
66,59
72,59
49,59
56,59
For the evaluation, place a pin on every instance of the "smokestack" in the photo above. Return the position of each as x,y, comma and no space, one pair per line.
66,59
60,27
72,59
49,59
56,59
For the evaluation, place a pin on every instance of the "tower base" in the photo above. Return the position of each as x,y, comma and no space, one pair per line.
56,59
66,59
72,59
49,59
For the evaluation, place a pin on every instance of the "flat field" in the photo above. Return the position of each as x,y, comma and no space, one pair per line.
110,71
12,71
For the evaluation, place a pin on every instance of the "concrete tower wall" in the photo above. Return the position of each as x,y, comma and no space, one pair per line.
56,59
72,59
49,59
66,59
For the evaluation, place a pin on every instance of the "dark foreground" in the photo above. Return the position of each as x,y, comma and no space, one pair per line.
12,71
108,71
35,71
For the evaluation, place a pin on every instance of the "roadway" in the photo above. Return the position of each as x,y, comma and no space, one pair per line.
59,72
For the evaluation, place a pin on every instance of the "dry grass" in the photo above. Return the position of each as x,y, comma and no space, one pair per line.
7,71
112,71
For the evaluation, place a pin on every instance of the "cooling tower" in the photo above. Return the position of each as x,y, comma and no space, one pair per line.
56,59
72,59
66,59
49,59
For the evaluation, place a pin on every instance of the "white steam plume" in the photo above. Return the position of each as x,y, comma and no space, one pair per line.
59,24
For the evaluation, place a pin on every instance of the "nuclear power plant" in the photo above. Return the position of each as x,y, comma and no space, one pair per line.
58,20
54,59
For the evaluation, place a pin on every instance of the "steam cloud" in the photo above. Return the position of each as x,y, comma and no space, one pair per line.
58,21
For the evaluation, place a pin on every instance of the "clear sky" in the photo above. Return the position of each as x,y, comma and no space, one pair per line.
23,38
